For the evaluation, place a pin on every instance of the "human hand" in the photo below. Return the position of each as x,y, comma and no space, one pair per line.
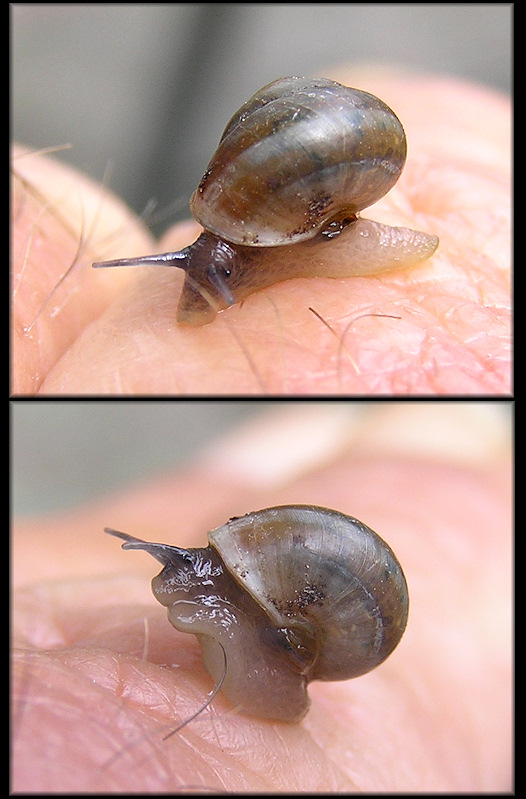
115,331
93,696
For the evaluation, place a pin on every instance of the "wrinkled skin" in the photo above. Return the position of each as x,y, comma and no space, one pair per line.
100,676
440,327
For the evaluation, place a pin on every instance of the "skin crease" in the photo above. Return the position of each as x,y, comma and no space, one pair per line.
114,331
93,696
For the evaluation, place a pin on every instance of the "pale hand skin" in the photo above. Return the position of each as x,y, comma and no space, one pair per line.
99,675
115,331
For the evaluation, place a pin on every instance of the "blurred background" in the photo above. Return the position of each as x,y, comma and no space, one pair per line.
68,452
150,88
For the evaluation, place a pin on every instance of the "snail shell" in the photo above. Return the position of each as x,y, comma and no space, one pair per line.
290,594
305,152
293,169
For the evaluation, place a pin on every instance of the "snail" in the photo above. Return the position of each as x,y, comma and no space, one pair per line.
281,197
283,596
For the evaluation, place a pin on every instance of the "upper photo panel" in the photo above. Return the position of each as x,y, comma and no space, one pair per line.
330,186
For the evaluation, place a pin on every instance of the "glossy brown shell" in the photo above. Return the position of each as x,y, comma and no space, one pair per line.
296,155
326,577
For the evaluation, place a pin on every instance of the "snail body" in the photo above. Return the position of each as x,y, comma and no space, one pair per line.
293,169
285,595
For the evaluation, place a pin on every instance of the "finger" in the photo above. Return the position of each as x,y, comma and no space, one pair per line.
61,222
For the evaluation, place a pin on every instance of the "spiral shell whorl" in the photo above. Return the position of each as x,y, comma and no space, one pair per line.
327,576
296,155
